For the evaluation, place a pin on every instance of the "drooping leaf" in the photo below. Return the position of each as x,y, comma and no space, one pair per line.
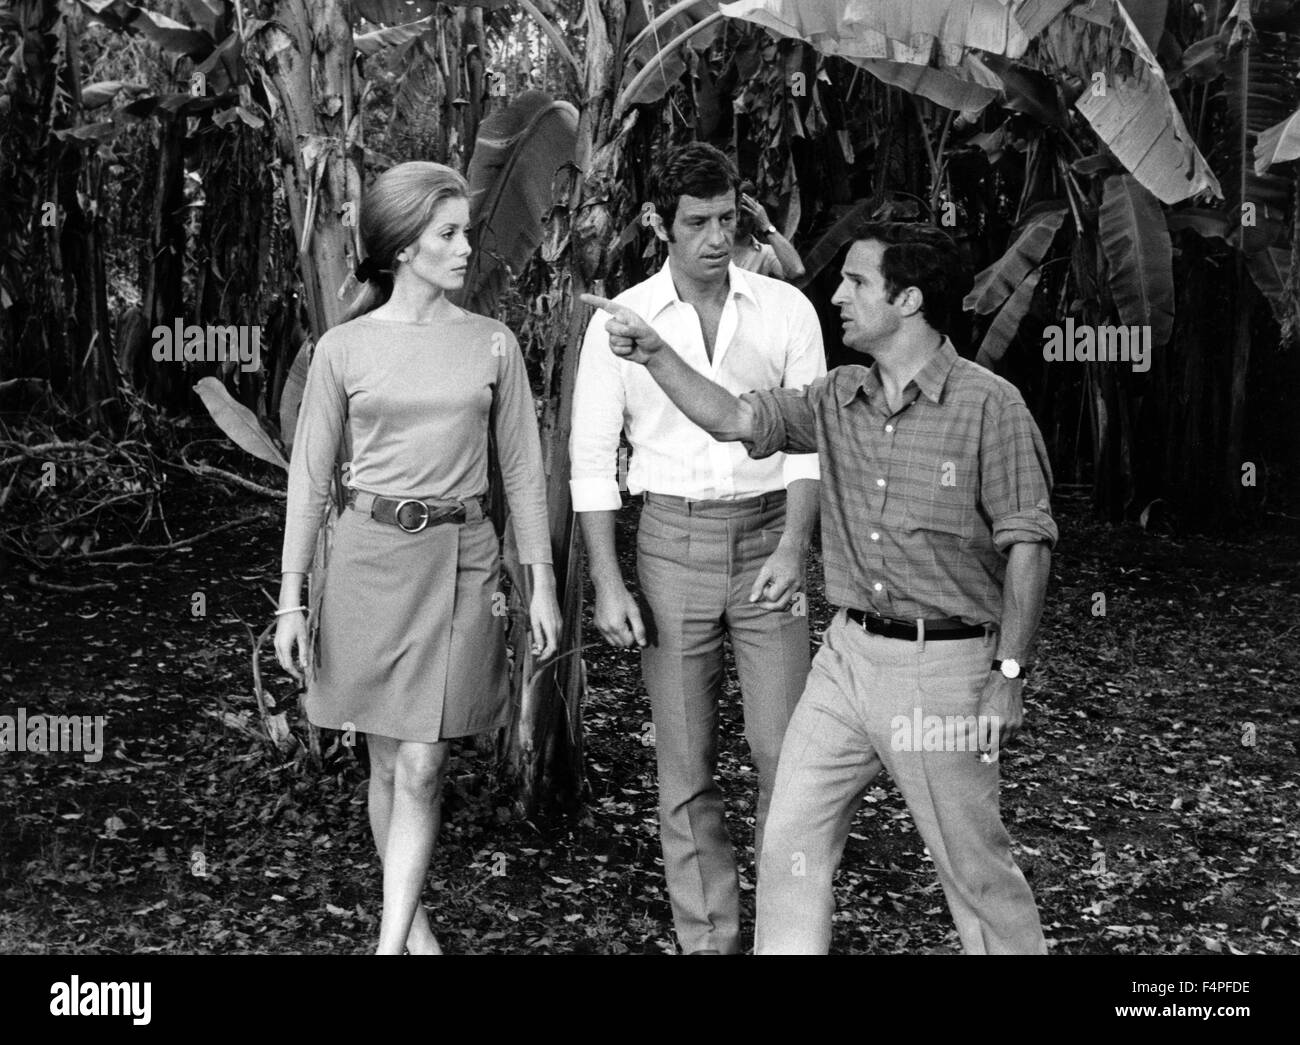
1139,256
88,132
1270,270
919,32
1149,17
1259,80
1002,330
212,16
94,95
516,157
172,36
223,69
392,36
291,395
1034,16
967,87
1126,99
1211,224
1278,143
1203,60
655,57
238,422
999,281
1027,90
392,12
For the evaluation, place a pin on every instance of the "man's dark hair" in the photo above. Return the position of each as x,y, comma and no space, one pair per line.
696,169
921,256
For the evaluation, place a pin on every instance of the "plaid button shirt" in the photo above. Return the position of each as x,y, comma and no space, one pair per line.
919,506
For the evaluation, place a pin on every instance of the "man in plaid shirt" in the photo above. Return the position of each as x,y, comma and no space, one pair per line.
937,534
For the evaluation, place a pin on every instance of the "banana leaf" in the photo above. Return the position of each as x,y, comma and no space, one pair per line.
1135,239
1003,329
238,422
654,54
918,32
1001,279
1278,143
1129,106
518,152
172,36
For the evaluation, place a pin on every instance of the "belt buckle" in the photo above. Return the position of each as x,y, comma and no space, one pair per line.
397,515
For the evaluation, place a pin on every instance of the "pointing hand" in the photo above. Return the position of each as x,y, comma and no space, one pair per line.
630,336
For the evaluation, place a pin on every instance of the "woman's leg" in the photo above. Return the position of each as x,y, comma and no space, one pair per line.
383,765
413,822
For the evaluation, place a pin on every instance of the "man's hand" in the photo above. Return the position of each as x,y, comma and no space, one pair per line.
780,579
630,336
618,617
1001,706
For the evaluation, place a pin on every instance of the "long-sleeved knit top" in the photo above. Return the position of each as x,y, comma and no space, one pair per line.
416,398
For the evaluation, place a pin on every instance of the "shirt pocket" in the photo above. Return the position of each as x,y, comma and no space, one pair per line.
943,492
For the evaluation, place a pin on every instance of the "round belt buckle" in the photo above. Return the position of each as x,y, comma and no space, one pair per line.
424,520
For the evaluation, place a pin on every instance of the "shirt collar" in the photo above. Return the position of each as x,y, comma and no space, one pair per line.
661,292
930,379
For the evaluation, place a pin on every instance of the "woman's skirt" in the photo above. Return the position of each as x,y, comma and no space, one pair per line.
411,632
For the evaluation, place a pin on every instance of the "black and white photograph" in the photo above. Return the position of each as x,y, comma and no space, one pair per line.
652,477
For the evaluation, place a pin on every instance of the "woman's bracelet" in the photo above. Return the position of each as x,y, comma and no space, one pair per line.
290,609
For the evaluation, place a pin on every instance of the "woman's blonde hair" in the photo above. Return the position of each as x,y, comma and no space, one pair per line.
395,210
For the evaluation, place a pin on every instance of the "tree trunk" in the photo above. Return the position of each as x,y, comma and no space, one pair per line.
544,744
305,50
305,53
1235,454
163,296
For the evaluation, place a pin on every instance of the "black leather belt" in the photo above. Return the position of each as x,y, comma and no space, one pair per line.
412,514
933,630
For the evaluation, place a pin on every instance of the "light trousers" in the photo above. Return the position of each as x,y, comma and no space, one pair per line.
865,696
696,568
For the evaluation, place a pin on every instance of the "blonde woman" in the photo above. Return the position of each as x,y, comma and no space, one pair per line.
408,649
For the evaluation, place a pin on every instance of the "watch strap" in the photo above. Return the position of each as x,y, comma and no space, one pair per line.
1024,670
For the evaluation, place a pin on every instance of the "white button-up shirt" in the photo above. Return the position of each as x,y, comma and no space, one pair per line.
768,337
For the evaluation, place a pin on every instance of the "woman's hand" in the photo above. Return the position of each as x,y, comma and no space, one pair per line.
545,621
756,213
291,628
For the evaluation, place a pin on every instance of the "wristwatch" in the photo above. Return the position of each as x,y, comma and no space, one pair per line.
769,232
1010,668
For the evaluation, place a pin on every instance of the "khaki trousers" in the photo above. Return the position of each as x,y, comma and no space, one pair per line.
859,714
696,562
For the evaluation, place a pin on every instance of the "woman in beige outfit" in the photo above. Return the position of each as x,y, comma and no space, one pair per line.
410,644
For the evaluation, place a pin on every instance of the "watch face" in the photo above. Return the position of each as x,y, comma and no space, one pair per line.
1011,669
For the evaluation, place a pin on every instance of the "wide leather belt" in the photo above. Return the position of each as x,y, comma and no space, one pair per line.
413,514
930,630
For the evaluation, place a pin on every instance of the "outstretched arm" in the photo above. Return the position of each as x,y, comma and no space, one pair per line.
709,405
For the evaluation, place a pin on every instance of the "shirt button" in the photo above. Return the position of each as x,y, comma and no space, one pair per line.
880,482
879,586
889,428
875,536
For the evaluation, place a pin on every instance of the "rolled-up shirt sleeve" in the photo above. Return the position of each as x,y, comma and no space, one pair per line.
805,363
783,420
598,399
1015,476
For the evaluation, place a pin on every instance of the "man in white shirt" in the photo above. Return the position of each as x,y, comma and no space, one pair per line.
723,539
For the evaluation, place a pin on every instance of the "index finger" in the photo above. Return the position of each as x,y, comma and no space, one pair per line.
599,302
